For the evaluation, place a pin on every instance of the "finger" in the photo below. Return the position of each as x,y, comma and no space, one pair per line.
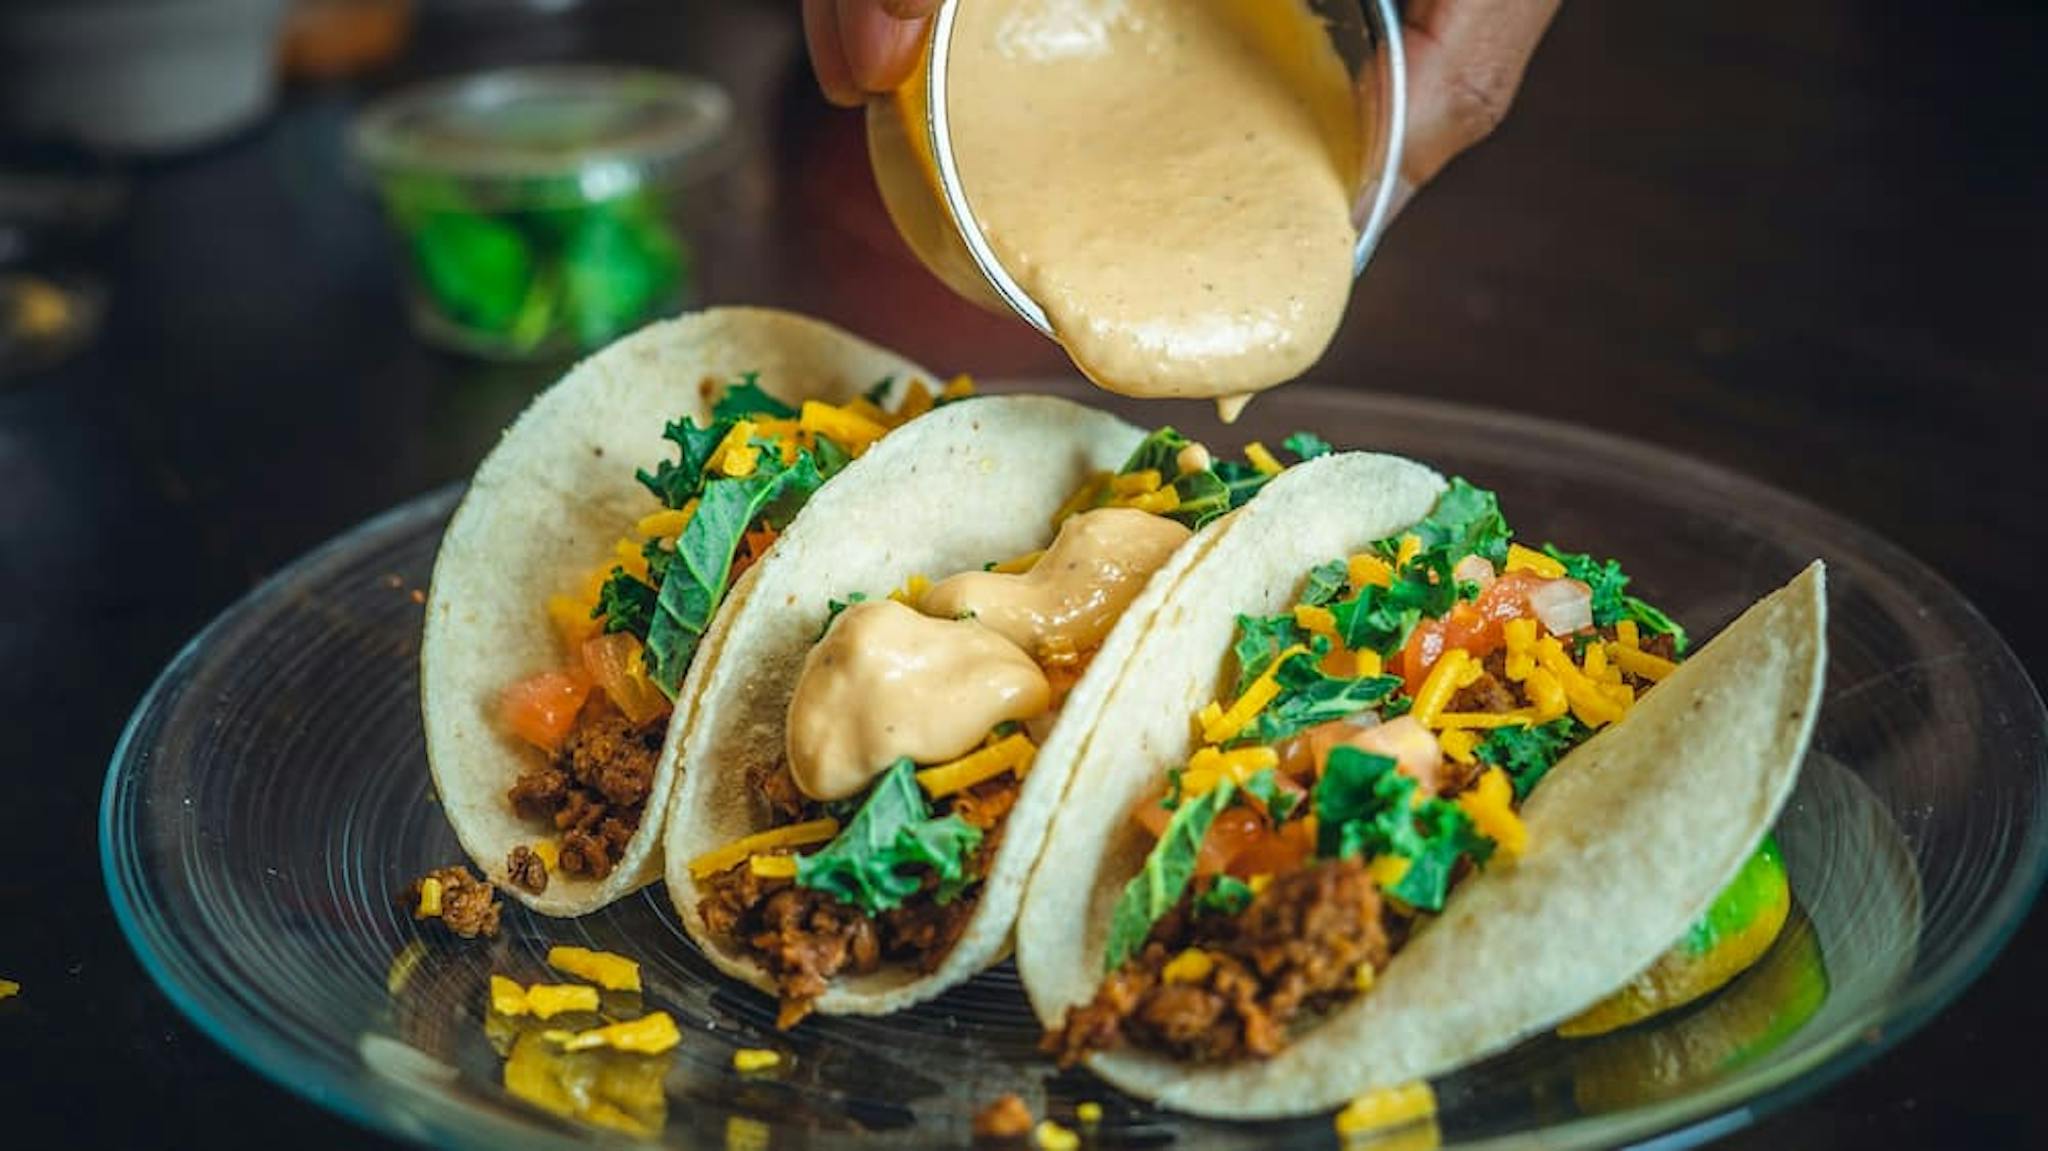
828,54
910,9
1465,62
880,48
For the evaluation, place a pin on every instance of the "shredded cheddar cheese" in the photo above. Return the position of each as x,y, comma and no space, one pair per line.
853,431
1387,870
550,852
1546,694
1485,720
1315,619
1012,753
958,388
1364,977
734,456
1521,559
1050,1136
1406,551
917,400
1190,966
793,835
750,1060
1262,459
1158,503
1385,1108
1367,663
1365,570
1459,745
1592,707
507,997
1089,1112
547,1000
1640,663
1627,632
772,866
1135,483
667,523
1262,691
1454,671
1490,804
648,1035
609,971
912,591
1090,493
1210,766
430,899
1260,882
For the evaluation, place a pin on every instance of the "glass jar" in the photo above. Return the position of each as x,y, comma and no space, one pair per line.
543,211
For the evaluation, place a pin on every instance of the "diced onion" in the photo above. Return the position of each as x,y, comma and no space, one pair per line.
1564,605
1474,569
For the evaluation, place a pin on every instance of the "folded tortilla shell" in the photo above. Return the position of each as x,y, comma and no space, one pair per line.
544,508
1630,837
969,484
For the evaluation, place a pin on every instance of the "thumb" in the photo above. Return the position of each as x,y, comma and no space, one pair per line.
1465,62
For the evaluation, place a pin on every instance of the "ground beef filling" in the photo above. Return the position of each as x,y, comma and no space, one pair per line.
468,905
1296,948
593,790
805,938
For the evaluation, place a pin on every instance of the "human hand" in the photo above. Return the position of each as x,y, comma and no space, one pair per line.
1465,62
860,47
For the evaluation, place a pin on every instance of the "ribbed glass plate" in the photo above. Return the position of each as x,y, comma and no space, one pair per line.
270,802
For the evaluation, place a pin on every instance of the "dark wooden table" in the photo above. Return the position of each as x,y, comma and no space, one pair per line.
1803,240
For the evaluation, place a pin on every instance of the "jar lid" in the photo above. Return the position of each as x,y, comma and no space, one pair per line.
593,122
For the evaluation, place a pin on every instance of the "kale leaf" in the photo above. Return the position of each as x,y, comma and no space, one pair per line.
1364,807
1611,601
1203,495
1160,883
1528,753
675,482
1260,640
1466,521
626,603
701,571
1309,697
834,606
876,861
1227,896
1324,582
746,401
1307,445
1264,786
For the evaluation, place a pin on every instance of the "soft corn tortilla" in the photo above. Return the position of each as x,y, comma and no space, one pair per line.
1630,837
545,506
968,484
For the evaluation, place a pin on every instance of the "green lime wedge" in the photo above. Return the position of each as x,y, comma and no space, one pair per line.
1734,933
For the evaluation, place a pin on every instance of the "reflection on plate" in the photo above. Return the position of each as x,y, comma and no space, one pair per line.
270,802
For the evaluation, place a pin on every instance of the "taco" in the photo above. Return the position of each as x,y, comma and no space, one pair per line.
578,589
870,777
1277,898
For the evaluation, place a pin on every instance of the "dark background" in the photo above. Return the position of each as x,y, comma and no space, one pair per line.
1800,239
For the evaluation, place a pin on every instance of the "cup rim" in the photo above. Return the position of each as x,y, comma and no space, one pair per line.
1379,189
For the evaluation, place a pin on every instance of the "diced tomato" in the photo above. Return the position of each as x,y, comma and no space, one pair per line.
755,545
542,709
1275,852
616,664
1301,758
1474,626
1152,817
1234,829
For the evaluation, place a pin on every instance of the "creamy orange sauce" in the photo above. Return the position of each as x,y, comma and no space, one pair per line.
1068,600
1171,180
887,682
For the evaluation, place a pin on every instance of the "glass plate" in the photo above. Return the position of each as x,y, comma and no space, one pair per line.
269,803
